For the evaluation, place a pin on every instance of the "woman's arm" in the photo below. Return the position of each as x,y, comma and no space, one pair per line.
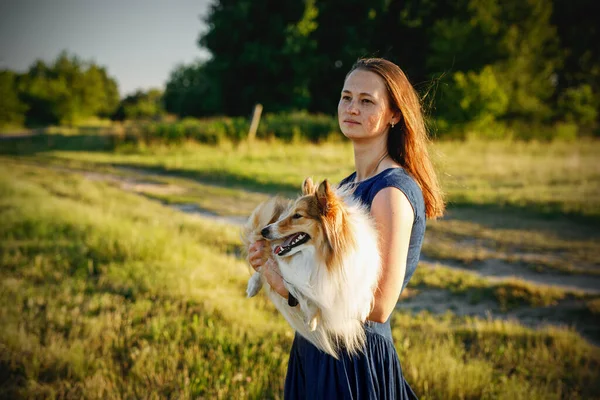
394,218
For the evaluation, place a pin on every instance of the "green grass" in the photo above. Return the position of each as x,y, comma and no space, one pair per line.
109,295
106,294
473,358
551,179
531,204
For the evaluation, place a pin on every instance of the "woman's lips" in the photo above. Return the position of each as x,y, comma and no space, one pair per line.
348,121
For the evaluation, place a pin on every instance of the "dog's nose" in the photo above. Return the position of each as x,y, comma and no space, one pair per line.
265,232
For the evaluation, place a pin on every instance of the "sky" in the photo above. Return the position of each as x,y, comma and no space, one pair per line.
138,41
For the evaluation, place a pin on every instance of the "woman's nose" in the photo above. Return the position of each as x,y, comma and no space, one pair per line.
352,109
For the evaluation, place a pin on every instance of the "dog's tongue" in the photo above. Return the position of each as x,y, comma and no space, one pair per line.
277,250
290,239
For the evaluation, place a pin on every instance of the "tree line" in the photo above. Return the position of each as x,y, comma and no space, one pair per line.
476,63
66,91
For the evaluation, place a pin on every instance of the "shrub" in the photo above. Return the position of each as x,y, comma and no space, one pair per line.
287,127
299,125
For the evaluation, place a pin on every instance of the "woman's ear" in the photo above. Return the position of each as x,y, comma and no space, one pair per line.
396,117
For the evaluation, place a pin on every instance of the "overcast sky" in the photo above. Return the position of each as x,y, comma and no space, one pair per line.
138,41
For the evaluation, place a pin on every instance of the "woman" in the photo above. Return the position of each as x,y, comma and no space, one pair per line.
380,112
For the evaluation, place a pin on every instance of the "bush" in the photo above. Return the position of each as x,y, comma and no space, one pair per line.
299,125
286,127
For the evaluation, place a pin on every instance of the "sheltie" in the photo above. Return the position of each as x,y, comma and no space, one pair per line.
325,244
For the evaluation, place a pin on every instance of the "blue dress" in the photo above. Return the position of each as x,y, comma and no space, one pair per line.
376,374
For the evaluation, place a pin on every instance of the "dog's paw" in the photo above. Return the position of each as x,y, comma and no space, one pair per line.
254,285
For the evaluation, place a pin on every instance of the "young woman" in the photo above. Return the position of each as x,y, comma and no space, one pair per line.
380,112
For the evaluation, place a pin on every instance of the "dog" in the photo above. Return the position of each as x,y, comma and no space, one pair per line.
325,244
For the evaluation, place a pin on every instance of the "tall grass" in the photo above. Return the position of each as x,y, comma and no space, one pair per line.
555,177
105,294
288,127
551,179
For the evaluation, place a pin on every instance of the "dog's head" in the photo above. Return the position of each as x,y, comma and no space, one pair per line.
318,219
265,213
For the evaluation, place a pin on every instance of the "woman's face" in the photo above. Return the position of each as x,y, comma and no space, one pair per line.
363,110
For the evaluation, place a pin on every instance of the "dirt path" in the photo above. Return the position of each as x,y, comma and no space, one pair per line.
197,211
147,183
496,270
437,301
567,313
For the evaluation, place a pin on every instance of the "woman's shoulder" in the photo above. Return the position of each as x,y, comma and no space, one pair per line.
389,176
395,176
399,178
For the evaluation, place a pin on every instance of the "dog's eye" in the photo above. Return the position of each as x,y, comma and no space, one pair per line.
296,216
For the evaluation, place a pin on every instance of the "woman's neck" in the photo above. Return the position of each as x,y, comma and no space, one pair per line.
369,158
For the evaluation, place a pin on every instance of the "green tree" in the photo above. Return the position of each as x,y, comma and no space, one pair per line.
536,61
66,91
515,39
98,92
12,109
256,46
346,31
141,105
191,92
475,97
579,36
579,105
42,94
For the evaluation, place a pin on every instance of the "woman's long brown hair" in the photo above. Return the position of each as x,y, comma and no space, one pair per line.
407,141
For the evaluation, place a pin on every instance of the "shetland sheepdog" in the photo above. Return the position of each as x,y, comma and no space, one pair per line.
325,244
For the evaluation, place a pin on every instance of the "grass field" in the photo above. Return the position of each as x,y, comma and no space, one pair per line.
553,178
107,292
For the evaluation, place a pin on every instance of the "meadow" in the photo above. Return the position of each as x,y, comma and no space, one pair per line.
110,291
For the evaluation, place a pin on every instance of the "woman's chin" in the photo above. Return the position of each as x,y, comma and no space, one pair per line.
352,133
358,136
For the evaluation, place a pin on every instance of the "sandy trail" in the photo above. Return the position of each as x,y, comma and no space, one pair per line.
437,301
140,181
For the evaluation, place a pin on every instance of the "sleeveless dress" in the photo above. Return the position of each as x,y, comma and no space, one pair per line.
376,374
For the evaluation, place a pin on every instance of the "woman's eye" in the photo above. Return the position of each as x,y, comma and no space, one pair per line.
346,98
296,216
366,101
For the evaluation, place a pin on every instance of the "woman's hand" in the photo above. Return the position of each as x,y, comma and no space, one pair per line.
256,255
268,267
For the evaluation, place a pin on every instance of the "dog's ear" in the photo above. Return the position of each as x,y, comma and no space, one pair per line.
324,194
308,187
